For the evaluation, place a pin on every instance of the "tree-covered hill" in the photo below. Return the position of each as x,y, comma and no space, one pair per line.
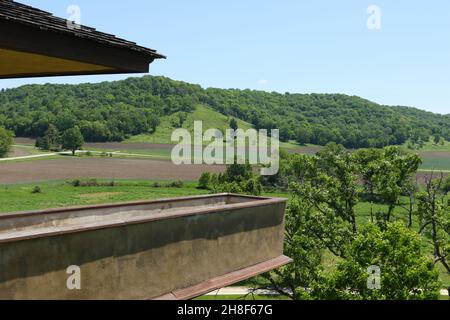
112,111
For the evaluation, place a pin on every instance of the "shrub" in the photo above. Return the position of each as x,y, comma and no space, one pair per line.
233,187
36,189
237,173
156,185
204,181
253,187
89,183
176,184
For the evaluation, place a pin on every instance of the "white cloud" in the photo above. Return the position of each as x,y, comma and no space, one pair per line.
263,82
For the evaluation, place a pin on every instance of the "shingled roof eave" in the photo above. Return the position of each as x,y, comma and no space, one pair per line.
12,11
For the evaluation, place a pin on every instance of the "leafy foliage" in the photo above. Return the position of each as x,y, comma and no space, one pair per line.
434,214
234,124
406,273
6,139
321,221
237,178
72,139
51,139
109,111
204,181
387,174
113,111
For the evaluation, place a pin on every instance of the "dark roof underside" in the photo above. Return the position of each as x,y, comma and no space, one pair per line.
35,43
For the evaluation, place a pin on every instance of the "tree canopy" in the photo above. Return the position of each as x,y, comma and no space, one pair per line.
376,256
112,111
6,138
72,140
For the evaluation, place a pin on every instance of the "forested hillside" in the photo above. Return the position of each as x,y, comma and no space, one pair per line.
113,111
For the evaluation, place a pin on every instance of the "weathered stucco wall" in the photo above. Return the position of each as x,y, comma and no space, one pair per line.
143,260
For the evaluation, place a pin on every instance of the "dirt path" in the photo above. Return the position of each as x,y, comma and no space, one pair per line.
19,157
108,145
76,168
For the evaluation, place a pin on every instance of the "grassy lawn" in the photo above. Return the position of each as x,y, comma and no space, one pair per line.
19,197
431,146
435,156
63,194
151,154
25,150
211,120
436,162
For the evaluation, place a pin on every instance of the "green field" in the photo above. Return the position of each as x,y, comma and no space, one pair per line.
433,162
431,146
62,194
211,120
436,157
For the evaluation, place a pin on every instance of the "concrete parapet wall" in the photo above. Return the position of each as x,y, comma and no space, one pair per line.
156,248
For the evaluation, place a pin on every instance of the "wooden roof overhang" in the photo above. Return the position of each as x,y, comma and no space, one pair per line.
34,43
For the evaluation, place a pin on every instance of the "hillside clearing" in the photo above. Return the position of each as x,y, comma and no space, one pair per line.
211,120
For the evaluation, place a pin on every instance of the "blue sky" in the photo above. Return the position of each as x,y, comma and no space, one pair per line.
321,46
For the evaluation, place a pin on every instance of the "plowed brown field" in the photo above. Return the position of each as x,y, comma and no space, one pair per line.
76,168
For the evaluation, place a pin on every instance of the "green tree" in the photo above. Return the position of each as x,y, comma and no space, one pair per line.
51,139
204,181
95,131
6,140
154,123
182,117
332,183
387,174
406,272
304,134
306,249
437,139
368,161
433,209
72,140
281,180
238,173
446,185
395,173
321,222
65,120
237,178
234,124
